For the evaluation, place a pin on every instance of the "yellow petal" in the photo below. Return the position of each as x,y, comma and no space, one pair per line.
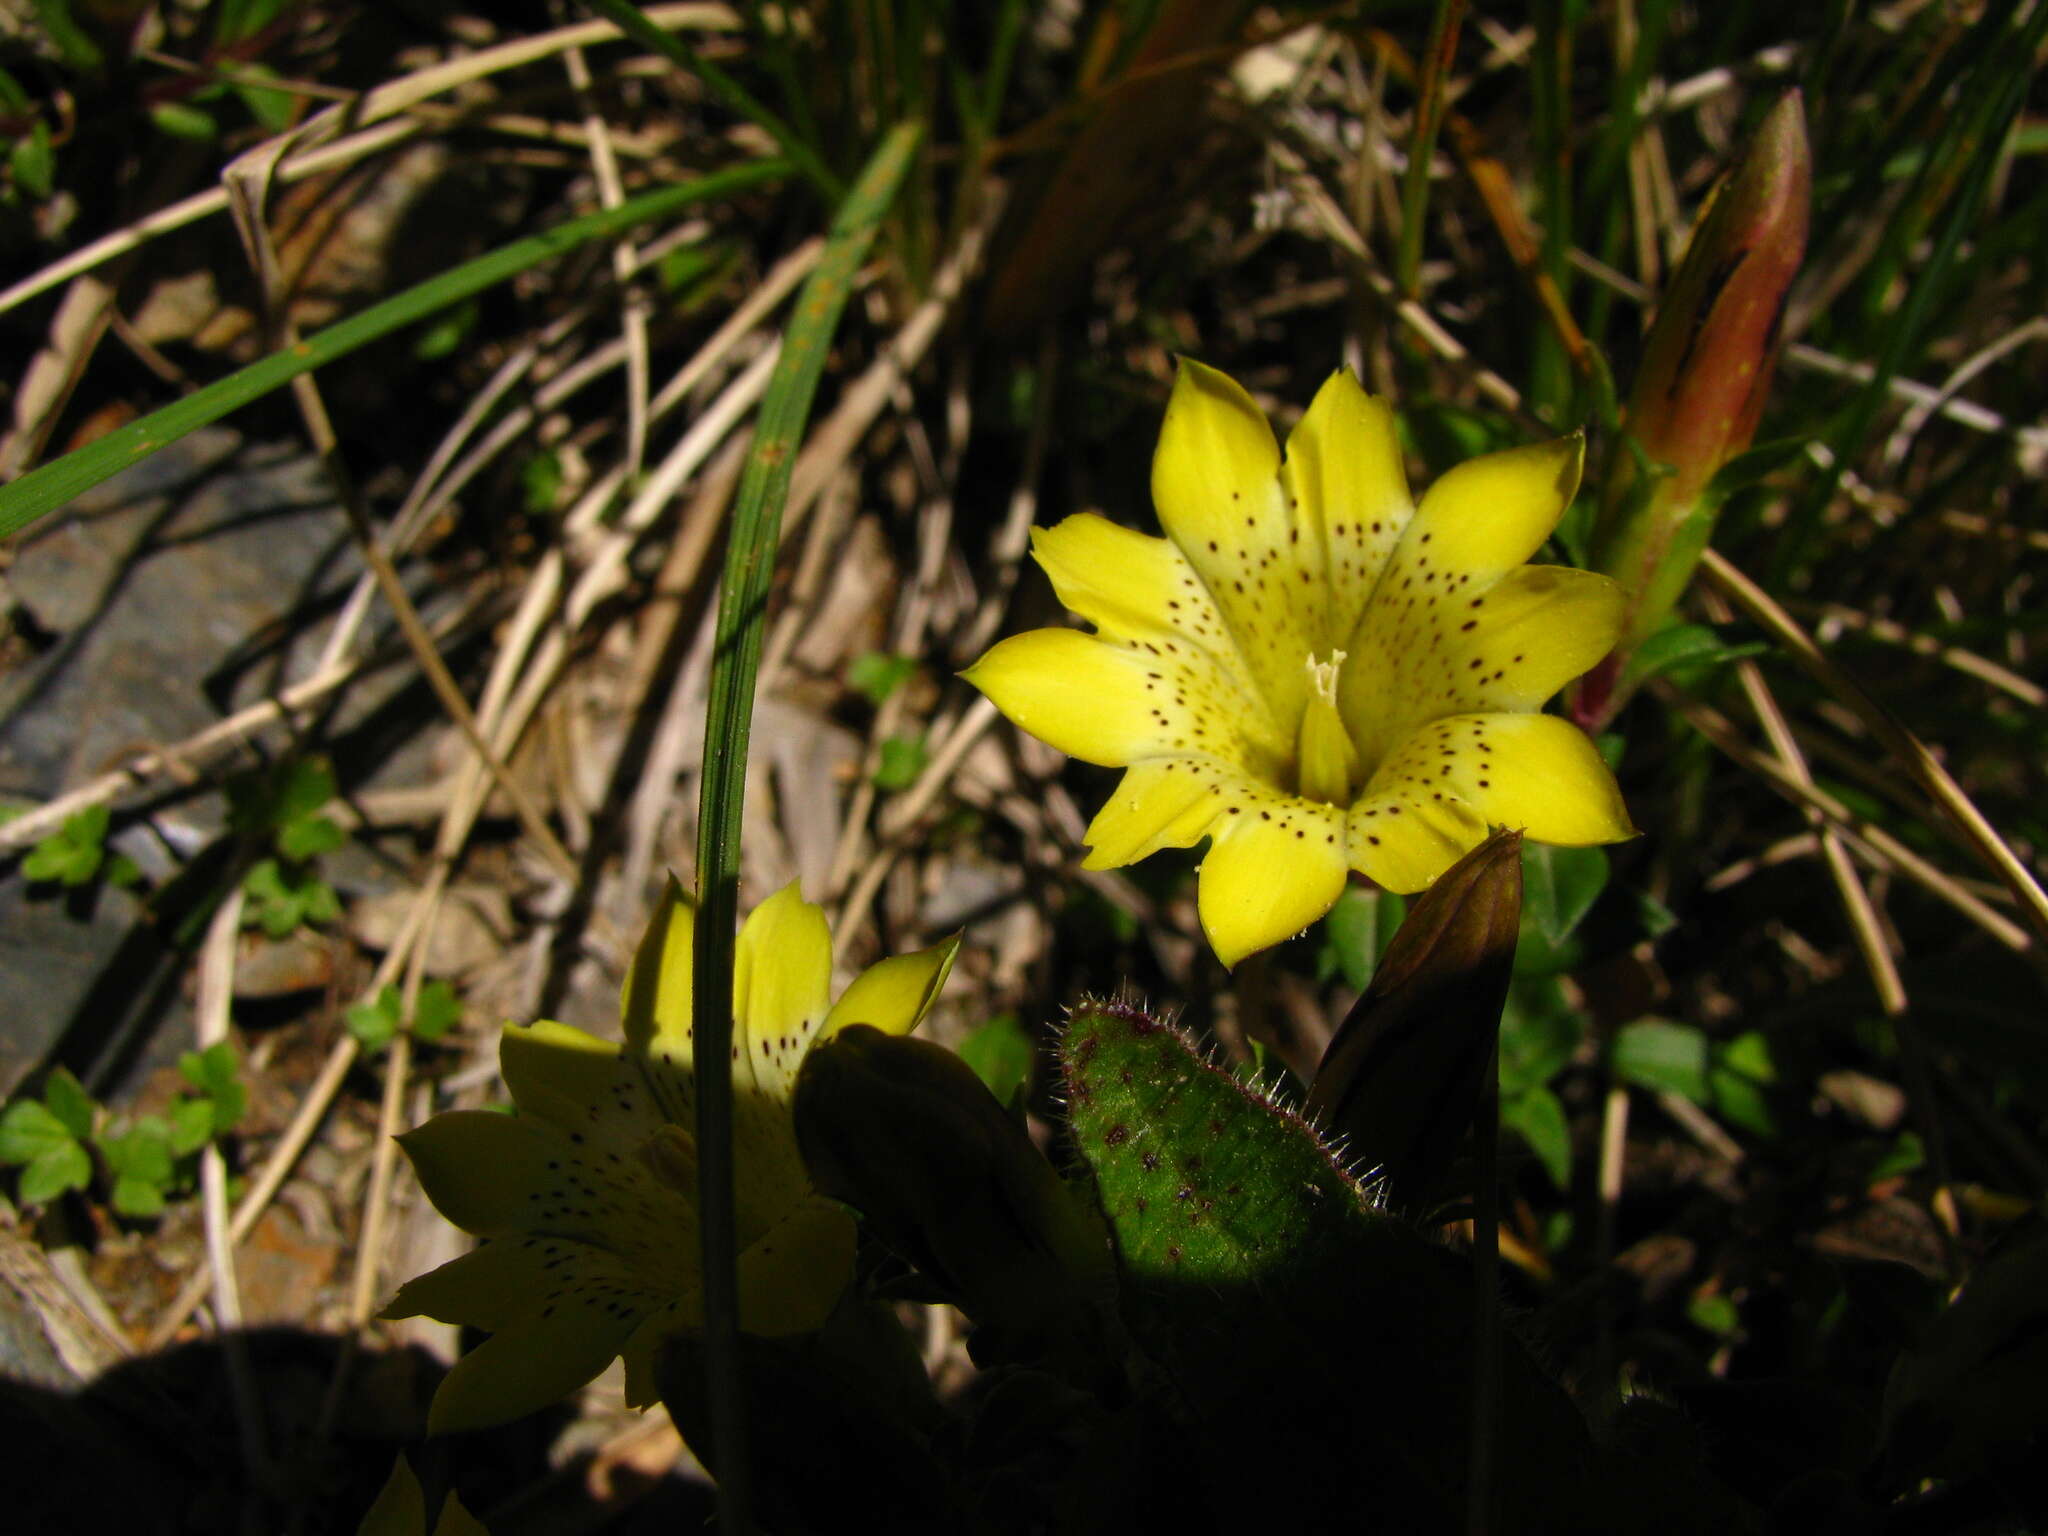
492,1287
1489,514
1166,803
1082,695
1216,463
641,1353
458,1521
483,1171
792,1275
1539,627
1130,585
1542,775
1440,790
1268,876
525,1368
578,1083
1216,480
656,1001
894,994
1505,650
1348,493
782,985
401,1509
1405,831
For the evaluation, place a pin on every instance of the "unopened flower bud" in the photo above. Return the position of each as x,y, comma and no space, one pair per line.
903,1131
1706,369
1399,1082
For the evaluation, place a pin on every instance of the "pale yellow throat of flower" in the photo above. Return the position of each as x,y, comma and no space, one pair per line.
1327,764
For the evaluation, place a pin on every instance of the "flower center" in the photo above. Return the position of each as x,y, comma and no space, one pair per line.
1327,763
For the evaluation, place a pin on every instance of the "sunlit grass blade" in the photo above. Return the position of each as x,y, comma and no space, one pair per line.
742,612
50,486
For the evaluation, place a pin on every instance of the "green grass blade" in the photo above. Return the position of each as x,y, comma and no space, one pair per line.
1429,114
736,657
628,19
50,486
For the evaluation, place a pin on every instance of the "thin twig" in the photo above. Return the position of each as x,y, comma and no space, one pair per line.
1910,751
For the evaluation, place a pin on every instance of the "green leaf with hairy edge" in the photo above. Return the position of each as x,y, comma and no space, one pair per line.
1001,1053
59,1169
29,1130
1322,1347
1538,1118
1664,1057
44,489
737,642
67,1099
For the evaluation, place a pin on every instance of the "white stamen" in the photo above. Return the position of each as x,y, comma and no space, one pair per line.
1322,676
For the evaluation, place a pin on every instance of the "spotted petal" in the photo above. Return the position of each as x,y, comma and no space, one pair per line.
782,985
525,1367
1348,494
1270,876
792,1275
1168,803
656,1001
1216,482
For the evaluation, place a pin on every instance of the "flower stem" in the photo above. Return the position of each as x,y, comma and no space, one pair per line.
736,658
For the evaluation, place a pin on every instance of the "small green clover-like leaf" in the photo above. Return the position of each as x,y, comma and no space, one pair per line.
216,1073
308,837
1560,886
29,1130
192,1125
143,1151
58,1169
71,855
182,120
280,900
375,1023
69,1102
138,1197
446,331
1357,932
1739,1101
540,482
439,1011
304,787
1538,1118
1715,1313
902,759
1664,1057
876,674
1001,1053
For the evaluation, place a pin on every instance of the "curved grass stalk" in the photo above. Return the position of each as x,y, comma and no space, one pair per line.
736,659
44,489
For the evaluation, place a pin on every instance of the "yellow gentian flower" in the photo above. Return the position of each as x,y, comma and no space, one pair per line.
1313,671
588,1196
